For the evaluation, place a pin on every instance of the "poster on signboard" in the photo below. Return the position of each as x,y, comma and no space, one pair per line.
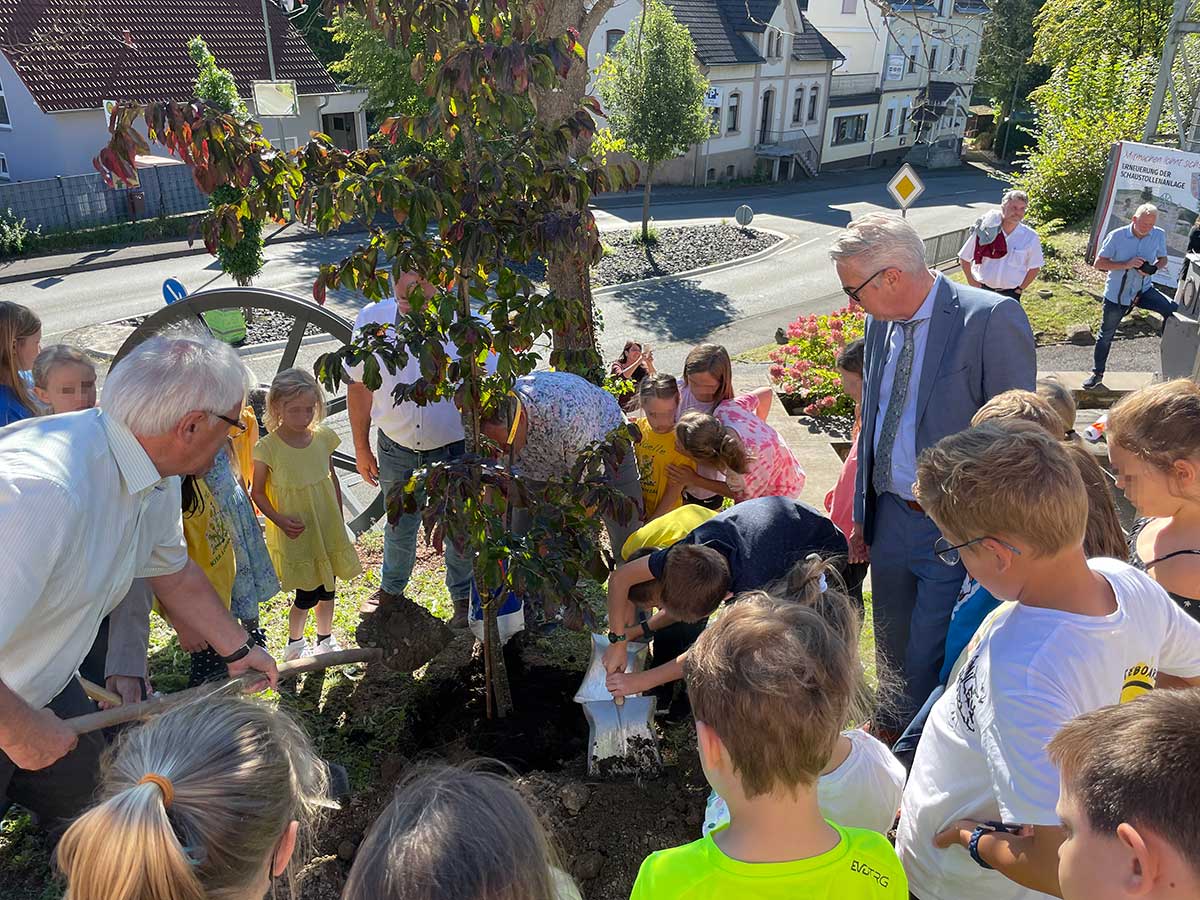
1141,173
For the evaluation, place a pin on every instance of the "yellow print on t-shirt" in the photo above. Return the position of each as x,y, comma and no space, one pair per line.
1139,679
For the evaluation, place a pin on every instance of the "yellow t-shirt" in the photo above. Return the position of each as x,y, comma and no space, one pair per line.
863,866
667,529
210,544
654,453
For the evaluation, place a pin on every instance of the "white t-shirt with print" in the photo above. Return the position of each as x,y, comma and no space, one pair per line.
982,754
863,792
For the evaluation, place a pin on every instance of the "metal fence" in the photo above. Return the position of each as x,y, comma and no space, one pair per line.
943,248
73,202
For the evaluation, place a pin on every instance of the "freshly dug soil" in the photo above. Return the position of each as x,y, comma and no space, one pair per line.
604,827
407,633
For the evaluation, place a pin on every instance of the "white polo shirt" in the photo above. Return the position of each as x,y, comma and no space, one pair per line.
83,511
1024,253
409,425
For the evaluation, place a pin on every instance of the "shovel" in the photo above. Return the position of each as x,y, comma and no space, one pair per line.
621,739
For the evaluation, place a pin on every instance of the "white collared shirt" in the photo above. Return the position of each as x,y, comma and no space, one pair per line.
407,424
1008,272
83,511
904,453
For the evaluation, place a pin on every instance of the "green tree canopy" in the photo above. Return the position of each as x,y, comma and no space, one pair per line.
1072,30
370,60
653,93
1081,111
1004,55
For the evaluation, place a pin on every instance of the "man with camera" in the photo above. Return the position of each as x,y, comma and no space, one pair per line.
1130,256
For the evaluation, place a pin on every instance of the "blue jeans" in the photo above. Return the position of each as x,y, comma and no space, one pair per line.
1151,298
396,466
913,594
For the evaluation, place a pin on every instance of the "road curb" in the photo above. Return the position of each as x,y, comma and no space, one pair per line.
785,242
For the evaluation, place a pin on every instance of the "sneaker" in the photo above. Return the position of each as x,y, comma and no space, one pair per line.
296,649
329,645
1093,380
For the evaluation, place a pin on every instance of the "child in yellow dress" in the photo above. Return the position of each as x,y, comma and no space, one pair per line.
296,489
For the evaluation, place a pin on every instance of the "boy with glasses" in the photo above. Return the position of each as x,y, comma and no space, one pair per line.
978,817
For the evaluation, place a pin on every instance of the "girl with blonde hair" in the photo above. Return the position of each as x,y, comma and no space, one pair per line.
20,343
207,801
297,489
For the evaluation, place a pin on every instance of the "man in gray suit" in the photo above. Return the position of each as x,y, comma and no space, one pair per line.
936,351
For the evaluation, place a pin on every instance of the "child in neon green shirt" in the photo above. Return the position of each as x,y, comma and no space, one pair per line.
772,682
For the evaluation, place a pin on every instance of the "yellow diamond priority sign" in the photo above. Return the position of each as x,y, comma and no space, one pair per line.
905,187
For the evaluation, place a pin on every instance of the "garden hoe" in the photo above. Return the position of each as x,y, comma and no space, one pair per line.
621,738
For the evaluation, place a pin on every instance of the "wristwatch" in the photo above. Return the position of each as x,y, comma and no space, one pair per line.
241,652
614,638
987,828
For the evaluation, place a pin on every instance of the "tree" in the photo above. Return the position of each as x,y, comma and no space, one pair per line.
1081,112
463,221
1072,30
243,259
1005,71
653,93
370,60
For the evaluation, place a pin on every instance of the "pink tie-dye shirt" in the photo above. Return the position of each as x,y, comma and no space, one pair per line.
773,470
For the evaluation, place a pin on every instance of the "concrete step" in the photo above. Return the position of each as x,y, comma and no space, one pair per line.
1115,386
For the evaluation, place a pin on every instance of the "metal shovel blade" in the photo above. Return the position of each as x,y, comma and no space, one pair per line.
621,738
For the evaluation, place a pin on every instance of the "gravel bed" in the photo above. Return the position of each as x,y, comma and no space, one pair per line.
677,250
267,326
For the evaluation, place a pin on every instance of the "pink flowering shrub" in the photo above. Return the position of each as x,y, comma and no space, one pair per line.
805,365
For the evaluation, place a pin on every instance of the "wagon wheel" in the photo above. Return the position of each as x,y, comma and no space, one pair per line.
303,314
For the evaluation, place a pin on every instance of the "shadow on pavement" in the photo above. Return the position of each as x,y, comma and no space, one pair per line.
676,310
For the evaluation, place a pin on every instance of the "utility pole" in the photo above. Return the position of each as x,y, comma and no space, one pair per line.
1012,108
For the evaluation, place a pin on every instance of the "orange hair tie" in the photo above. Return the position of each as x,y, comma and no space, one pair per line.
164,785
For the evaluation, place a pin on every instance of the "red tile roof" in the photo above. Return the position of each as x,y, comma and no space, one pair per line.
75,54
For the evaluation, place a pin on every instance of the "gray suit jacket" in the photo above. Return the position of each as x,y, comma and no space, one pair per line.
980,344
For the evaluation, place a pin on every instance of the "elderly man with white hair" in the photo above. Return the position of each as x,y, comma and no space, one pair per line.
935,352
1130,256
88,502
1003,255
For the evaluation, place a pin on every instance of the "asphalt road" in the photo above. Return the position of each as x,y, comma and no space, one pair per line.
740,306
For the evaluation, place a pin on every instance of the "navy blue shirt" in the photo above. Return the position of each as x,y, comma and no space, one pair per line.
762,539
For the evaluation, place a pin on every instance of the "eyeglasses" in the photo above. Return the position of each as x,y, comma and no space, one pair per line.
852,293
232,423
949,554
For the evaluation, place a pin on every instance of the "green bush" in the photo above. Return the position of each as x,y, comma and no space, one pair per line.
14,234
1082,111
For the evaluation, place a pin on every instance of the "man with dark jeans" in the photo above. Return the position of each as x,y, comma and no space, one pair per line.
410,437
1130,256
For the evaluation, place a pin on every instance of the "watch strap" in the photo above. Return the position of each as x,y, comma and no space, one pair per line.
973,845
241,652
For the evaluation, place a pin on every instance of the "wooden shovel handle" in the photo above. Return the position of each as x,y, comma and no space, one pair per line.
246,683
100,694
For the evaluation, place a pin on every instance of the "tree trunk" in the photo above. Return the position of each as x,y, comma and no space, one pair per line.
569,276
646,204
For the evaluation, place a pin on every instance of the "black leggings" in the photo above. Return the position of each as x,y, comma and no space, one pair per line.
309,599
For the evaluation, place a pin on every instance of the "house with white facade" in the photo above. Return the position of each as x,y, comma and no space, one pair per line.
904,86
769,68
61,60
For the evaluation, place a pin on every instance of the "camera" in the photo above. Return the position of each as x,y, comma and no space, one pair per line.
1148,267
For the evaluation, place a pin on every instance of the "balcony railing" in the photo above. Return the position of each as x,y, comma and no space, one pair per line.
845,85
